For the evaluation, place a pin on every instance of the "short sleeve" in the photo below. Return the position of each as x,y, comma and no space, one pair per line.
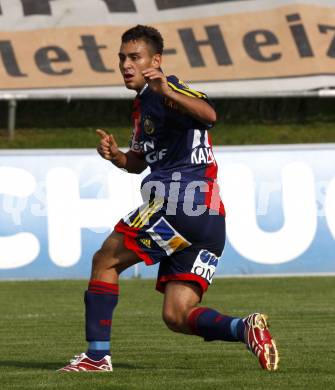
135,139
179,86
134,143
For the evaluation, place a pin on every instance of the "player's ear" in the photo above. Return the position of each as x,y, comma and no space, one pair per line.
156,61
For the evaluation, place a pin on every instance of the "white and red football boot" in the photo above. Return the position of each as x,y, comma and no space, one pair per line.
84,363
260,342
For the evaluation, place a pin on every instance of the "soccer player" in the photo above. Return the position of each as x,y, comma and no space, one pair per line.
181,224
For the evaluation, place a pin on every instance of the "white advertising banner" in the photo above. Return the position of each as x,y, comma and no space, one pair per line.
57,207
68,48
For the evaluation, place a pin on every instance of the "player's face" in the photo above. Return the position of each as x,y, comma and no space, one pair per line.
134,57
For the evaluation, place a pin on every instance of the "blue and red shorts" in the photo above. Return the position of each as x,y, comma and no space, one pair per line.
186,247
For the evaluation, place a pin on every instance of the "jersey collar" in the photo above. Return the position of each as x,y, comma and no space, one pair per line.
142,90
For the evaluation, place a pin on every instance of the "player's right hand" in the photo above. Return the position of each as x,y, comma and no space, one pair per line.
107,147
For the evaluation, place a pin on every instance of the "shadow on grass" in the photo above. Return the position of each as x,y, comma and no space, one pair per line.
54,366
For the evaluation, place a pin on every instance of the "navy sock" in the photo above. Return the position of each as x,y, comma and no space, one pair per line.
98,349
211,325
100,301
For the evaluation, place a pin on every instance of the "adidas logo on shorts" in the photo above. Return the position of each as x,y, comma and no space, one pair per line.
146,242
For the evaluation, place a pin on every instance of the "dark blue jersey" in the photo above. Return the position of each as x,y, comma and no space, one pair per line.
176,146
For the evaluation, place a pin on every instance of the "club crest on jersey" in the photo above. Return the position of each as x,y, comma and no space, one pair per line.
205,265
148,125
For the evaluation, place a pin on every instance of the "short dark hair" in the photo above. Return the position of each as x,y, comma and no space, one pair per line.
148,34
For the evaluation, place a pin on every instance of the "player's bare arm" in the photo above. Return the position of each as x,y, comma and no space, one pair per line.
197,108
109,150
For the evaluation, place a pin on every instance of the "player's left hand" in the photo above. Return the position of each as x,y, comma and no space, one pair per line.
157,81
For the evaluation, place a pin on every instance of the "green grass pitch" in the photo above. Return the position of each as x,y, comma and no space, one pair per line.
41,325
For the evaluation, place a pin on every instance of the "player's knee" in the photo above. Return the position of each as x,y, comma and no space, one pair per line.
171,321
103,259
174,320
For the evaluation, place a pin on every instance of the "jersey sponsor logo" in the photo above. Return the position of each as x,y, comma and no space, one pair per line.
133,143
202,156
202,152
148,146
136,146
167,237
205,265
155,156
152,155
